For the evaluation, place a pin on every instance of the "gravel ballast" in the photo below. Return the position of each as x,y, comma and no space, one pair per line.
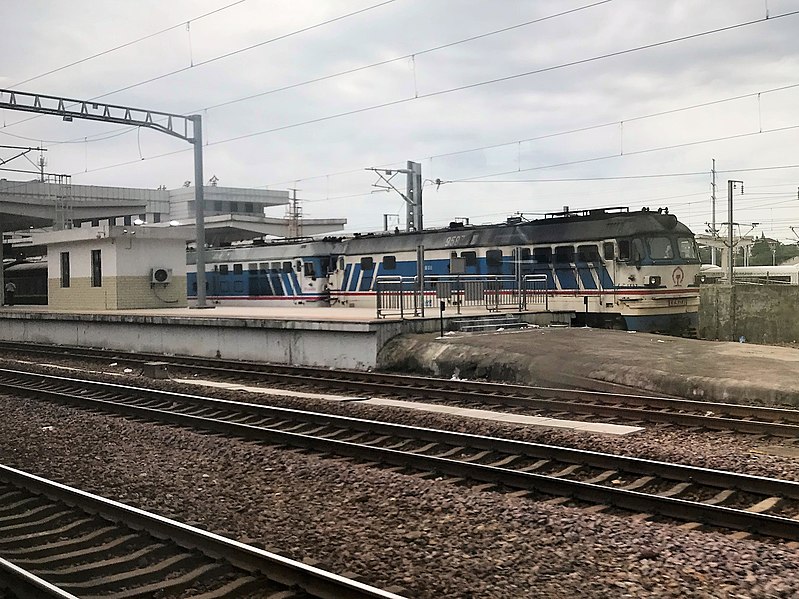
432,538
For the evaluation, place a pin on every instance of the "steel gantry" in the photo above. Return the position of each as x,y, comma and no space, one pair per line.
187,128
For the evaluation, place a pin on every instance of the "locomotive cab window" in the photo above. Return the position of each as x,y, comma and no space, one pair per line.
624,249
237,269
660,248
286,266
494,258
223,269
252,268
341,263
608,250
309,270
687,249
564,254
542,255
587,253
470,258
367,263
389,262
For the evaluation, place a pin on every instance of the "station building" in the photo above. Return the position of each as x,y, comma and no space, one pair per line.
125,248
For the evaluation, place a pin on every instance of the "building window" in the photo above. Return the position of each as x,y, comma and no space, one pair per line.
234,207
127,221
248,207
97,269
218,206
156,217
64,269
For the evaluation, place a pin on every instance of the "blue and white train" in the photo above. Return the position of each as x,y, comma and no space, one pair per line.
611,267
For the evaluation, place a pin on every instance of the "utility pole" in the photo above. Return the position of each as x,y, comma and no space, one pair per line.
731,185
294,215
413,194
713,216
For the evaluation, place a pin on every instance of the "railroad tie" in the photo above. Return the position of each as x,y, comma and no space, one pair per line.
607,474
676,490
638,483
764,506
721,498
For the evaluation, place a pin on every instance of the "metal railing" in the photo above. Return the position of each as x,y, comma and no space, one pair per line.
404,296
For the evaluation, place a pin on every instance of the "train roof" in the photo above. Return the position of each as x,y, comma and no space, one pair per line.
586,226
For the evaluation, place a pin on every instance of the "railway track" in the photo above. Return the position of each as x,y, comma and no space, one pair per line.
735,501
56,541
759,420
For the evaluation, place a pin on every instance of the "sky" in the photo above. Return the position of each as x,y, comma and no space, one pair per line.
511,106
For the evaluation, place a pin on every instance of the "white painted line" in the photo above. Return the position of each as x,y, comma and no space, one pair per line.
594,427
268,391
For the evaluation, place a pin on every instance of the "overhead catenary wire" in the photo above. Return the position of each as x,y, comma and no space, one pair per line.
130,43
354,69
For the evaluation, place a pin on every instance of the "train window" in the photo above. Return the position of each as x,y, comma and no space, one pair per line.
64,269
607,250
494,257
389,262
588,253
564,254
252,268
275,267
367,263
287,267
687,247
524,254
542,255
624,249
223,269
309,270
263,267
470,257
237,269
341,263
660,248
97,269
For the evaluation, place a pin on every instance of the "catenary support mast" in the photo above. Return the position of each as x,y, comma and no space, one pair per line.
187,128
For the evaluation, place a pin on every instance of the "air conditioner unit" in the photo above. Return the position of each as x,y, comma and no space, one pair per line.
161,275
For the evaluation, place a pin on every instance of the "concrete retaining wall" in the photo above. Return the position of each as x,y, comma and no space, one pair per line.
760,313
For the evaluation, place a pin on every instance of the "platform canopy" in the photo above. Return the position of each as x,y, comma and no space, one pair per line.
227,228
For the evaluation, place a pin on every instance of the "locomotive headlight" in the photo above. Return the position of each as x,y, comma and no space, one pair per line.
654,281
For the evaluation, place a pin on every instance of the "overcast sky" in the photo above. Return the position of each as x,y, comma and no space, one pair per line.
500,147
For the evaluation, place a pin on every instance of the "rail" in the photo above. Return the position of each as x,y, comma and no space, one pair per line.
405,296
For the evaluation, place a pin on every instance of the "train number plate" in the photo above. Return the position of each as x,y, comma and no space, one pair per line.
678,301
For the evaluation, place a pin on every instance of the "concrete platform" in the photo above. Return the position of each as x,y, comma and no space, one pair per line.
579,357
333,337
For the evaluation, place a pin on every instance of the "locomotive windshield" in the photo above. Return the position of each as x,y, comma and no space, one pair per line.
662,248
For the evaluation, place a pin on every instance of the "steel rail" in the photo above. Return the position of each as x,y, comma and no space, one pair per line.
24,585
279,569
638,408
673,507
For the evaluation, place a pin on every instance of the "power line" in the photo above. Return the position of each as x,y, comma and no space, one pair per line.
131,43
229,54
364,67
